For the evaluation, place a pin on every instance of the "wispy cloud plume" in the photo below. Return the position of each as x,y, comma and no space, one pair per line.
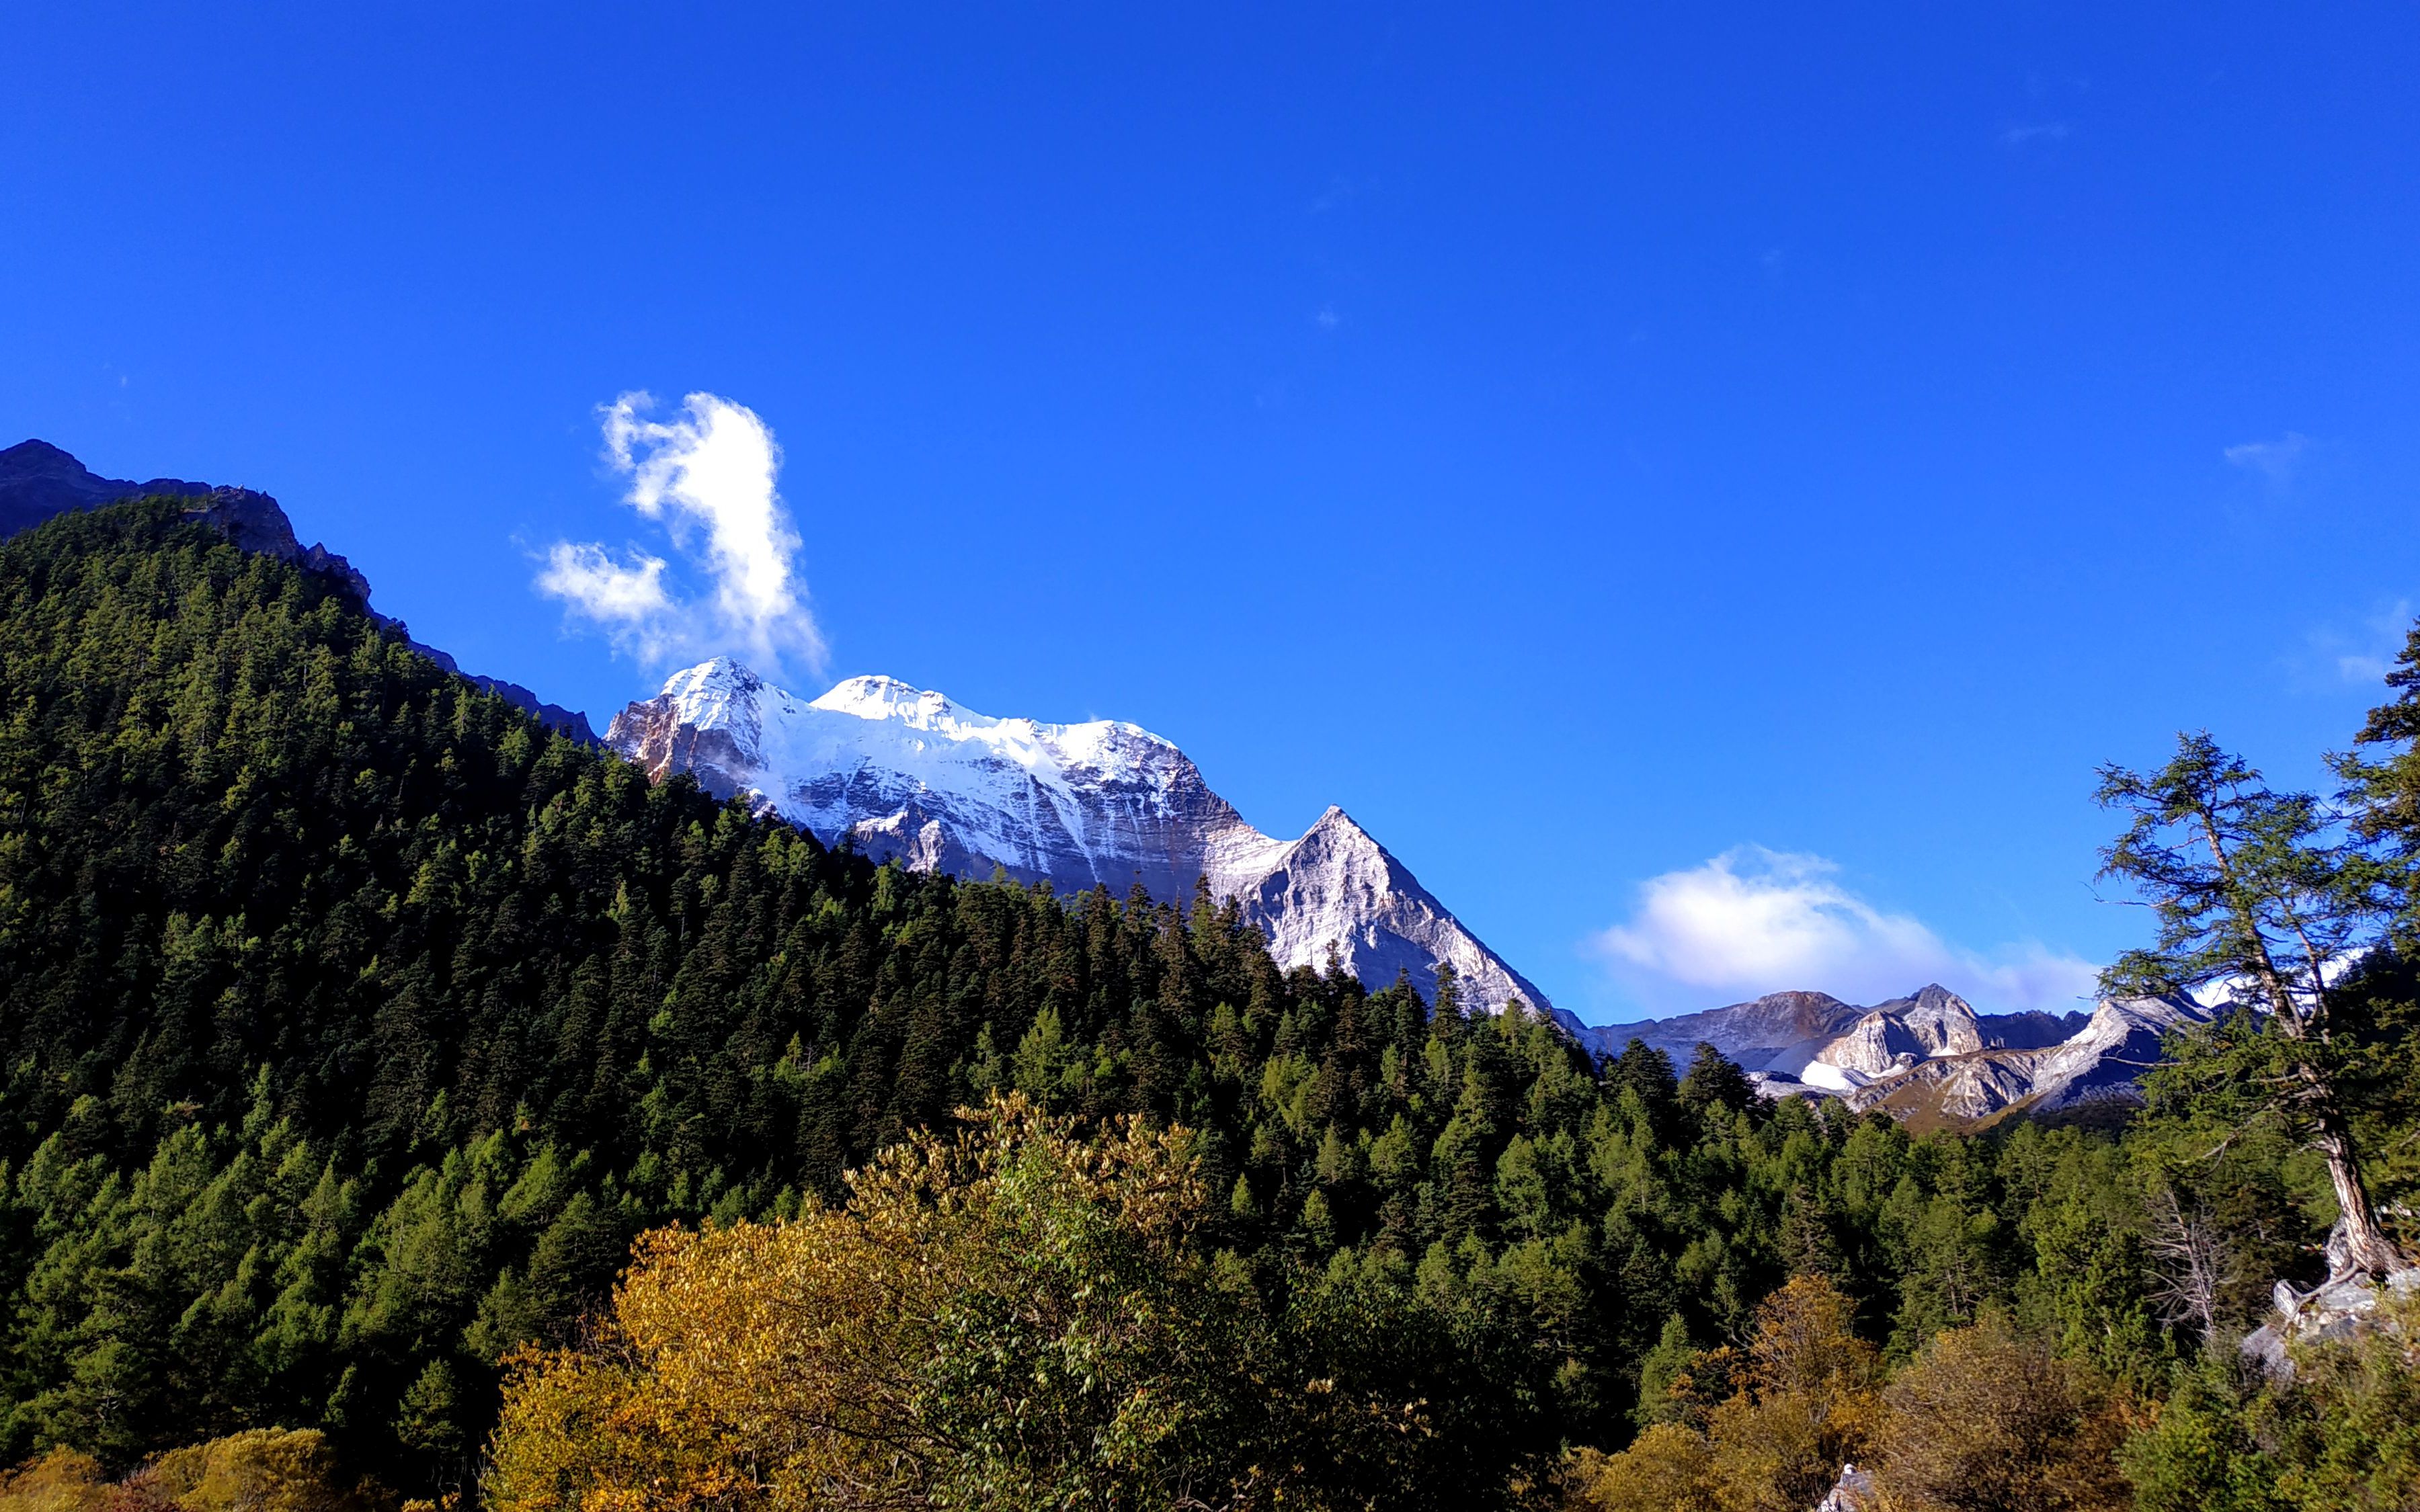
2275,462
1754,921
708,477
2017,136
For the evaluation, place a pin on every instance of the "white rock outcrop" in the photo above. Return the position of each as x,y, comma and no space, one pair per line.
2347,1305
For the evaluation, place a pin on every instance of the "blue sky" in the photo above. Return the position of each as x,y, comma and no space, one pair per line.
1706,489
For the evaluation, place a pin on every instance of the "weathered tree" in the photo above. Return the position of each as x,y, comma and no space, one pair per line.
2256,893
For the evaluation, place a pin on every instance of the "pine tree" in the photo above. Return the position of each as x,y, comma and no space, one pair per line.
2255,891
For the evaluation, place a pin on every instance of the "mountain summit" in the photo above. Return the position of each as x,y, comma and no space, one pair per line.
910,775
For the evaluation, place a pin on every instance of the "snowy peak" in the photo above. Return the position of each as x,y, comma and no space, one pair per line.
888,698
719,695
906,774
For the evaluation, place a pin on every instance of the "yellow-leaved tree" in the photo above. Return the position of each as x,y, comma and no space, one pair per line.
1011,1316
1803,1398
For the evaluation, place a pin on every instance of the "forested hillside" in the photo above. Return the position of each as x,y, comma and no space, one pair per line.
355,1026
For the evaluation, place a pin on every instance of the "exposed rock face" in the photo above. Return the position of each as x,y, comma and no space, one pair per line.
908,774
1928,1055
1751,1033
1940,1020
2111,1052
2346,1305
1854,1491
1875,1046
1949,1090
39,480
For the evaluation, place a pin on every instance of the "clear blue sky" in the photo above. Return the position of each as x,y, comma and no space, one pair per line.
1580,444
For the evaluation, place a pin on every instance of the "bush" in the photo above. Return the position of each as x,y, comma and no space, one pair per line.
264,1470
1987,1420
64,1480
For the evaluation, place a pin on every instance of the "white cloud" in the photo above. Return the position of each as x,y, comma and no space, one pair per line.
2016,137
708,476
1753,920
629,601
2362,654
2276,461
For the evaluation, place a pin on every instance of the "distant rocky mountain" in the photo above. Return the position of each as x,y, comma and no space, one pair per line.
39,480
908,774
1928,1057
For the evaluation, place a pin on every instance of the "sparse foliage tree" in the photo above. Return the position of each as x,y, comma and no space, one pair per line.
2255,893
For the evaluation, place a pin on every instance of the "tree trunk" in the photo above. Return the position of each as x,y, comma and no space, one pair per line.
2366,1246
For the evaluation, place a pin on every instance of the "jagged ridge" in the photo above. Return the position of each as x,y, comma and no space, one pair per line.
39,480
1928,1055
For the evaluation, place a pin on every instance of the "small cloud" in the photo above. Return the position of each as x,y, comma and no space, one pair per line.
707,477
2276,461
2017,136
1328,319
1772,260
2361,656
1754,921
627,599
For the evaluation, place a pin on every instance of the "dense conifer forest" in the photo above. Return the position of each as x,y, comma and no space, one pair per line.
355,1027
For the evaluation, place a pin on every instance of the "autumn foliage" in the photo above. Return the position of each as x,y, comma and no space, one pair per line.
1766,1428
1013,1316
260,1470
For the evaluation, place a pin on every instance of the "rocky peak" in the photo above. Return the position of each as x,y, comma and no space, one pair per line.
39,480
1942,1022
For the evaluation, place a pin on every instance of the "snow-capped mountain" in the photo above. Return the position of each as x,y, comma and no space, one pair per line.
912,776
1929,1056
